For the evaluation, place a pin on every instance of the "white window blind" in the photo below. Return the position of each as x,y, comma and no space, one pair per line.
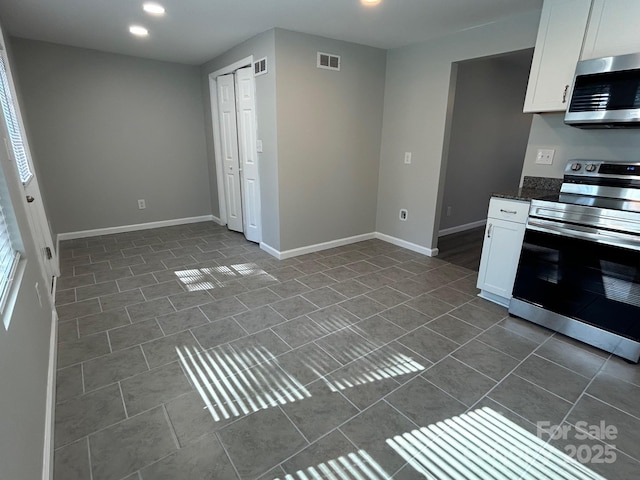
9,255
13,127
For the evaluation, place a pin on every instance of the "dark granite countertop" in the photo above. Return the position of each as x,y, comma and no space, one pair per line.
526,194
533,188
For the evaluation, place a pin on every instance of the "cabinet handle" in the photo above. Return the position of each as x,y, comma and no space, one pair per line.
512,212
489,230
564,95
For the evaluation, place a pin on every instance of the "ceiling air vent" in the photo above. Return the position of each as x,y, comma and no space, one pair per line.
260,67
328,61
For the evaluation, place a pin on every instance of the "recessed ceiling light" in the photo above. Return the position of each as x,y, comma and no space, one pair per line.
153,8
138,31
370,2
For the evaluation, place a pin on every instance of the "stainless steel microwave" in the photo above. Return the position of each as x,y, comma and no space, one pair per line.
606,93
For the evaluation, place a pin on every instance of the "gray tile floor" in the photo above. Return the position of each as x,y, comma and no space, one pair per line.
188,353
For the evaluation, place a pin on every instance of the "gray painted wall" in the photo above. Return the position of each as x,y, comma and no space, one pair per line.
415,112
489,135
549,131
329,126
321,137
109,129
260,46
24,354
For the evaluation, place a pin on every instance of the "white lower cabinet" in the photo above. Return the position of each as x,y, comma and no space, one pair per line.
503,236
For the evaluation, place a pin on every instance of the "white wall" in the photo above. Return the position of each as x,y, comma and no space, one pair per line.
329,126
260,46
549,131
415,112
489,135
107,130
24,354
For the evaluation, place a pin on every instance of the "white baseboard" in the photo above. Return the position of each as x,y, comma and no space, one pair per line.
270,250
130,228
294,252
47,454
431,252
462,228
216,219
414,247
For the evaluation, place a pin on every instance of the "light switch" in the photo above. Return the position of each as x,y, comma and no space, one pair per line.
259,146
407,157
545,156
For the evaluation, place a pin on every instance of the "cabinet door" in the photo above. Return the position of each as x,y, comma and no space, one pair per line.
500,255
613,29
558,47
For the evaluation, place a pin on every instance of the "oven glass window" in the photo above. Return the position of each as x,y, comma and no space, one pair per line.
594,283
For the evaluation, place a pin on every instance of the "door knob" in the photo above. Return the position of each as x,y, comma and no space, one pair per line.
30,199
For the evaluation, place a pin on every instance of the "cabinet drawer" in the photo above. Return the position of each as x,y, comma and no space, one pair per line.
512,210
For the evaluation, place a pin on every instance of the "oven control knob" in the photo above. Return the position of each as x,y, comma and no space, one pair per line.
590,167
575,167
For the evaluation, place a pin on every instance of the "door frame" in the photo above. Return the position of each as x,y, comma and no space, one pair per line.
213,96
36,213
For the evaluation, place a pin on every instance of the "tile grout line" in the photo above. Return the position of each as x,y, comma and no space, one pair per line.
84,388
89,458
226,452
124,405
565,367
512,371
174,436
145,359
584,392
108,343
294,424
417,428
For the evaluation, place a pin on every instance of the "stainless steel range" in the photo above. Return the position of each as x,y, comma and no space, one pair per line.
579,270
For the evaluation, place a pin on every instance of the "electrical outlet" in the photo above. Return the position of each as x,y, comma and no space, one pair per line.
407,157
545,156
403,214
142,204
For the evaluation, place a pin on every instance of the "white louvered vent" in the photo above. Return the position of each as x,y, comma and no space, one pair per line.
328,61
260,67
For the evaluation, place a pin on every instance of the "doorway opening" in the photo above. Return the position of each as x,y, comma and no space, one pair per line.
487,136
233,109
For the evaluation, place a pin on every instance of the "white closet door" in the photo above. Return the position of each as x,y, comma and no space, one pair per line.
248,154
229,149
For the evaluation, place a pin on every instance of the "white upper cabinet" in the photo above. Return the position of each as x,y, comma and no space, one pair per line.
614,29
558,47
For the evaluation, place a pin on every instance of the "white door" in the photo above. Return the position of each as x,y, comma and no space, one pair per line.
229,149
248,154
18,149
41,231
500,256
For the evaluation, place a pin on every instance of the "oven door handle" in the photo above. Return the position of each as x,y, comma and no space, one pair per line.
616,239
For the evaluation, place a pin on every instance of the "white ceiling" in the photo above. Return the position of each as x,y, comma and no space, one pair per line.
194,31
